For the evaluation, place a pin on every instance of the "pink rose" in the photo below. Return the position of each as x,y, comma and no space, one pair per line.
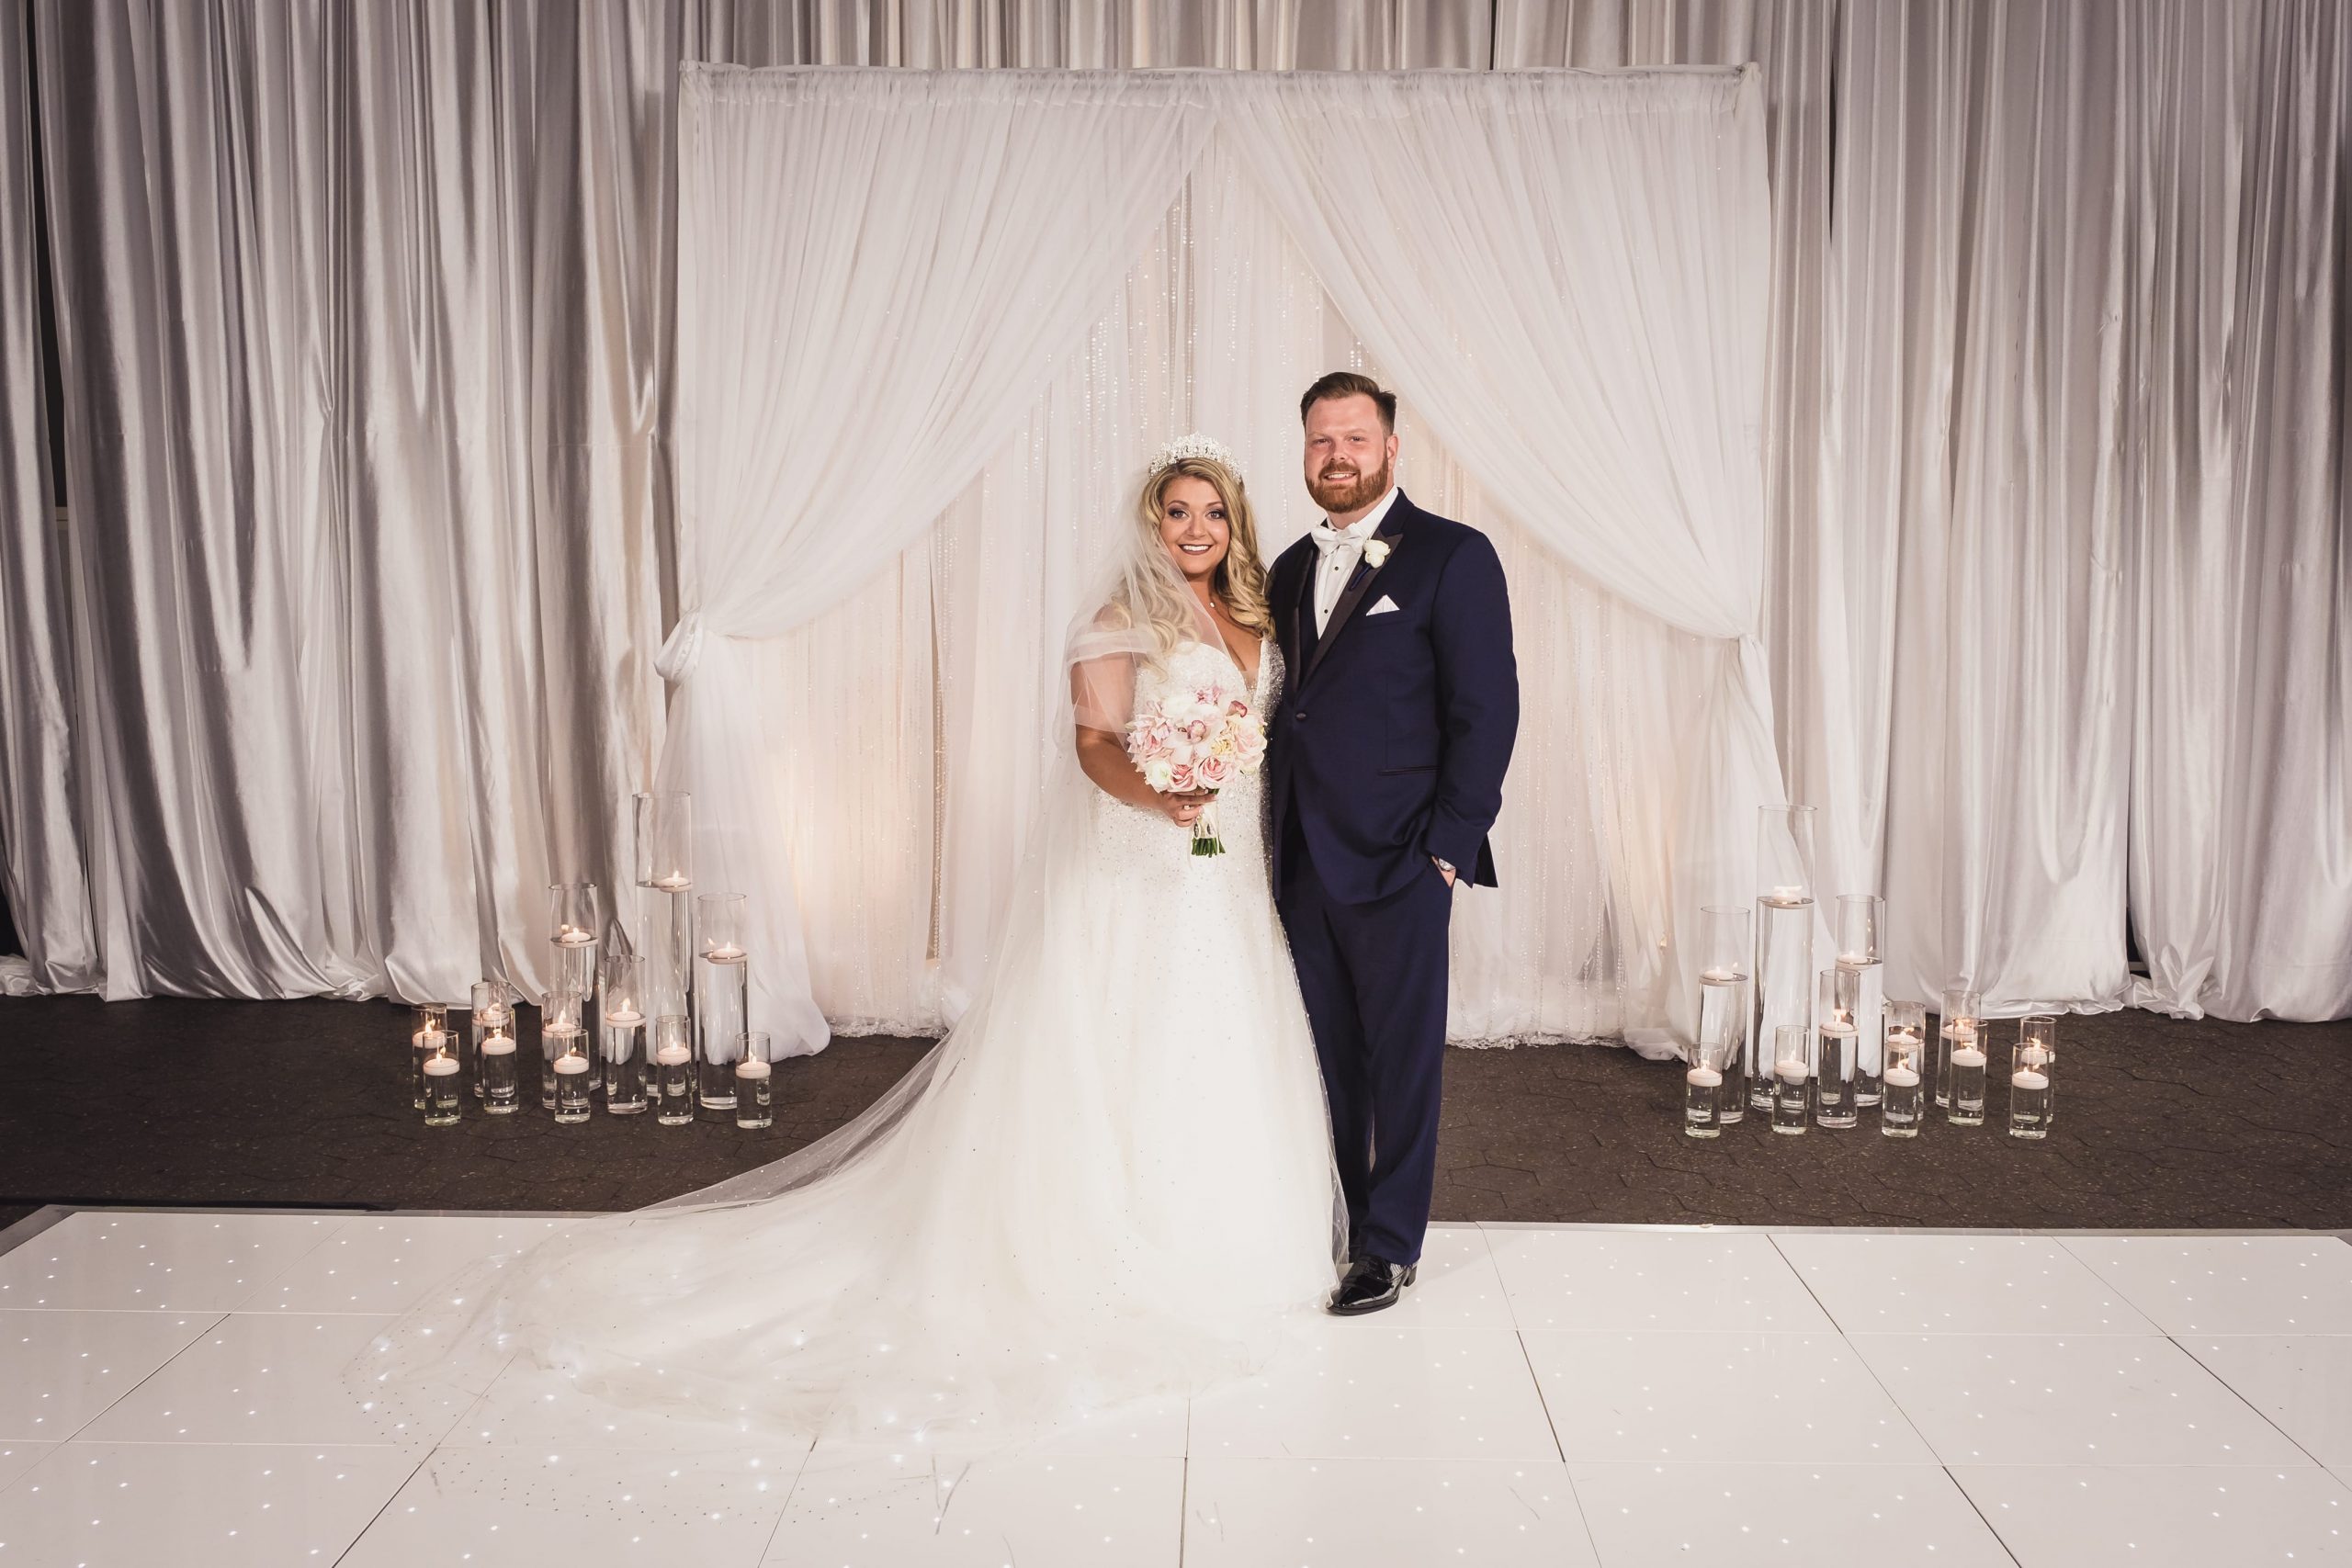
1214,773
1180,778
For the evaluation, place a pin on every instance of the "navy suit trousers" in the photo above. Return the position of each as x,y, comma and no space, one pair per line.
1374,978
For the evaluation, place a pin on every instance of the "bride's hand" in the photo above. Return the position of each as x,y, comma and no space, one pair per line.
1184,810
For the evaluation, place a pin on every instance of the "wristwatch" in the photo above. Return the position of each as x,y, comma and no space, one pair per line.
1446,866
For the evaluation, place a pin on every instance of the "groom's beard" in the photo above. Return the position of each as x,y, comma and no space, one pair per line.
1336,494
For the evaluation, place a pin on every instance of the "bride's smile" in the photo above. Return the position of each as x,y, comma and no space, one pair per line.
1194,523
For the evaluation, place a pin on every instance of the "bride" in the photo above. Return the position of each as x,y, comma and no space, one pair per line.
1113,1180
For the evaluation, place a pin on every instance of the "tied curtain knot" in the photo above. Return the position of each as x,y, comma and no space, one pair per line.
682,649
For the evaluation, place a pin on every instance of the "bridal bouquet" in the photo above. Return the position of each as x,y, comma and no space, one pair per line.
1197,739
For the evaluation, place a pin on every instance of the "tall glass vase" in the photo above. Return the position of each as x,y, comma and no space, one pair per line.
1726,947
722,995
2032,1103
665,899
564,1038
1902,1103
1960,1024
1836,1043
575,916
1784,921
624,1033
494,1017
429,1042
1861,919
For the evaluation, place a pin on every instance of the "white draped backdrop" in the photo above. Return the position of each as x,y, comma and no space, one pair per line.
1564,273
348,642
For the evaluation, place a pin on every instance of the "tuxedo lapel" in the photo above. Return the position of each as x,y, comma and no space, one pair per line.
1392,533
1292,614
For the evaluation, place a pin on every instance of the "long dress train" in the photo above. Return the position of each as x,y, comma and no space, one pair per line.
1112,1180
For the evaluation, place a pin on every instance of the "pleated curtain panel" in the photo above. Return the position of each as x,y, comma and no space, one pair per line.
473,414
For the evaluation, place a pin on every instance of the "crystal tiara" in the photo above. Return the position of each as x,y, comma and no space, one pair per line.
1194,445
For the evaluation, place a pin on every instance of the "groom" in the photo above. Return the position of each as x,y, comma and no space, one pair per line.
1388,756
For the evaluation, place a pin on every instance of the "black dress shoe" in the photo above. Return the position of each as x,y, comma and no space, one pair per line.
1370,1284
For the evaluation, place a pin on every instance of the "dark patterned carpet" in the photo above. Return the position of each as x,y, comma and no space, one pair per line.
2161,1123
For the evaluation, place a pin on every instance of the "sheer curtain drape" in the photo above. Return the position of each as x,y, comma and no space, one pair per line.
1569,285
878,276
1659,365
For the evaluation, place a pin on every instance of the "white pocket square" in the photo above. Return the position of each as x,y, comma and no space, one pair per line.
1385,607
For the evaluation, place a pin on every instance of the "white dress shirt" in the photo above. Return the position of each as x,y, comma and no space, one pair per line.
1341,549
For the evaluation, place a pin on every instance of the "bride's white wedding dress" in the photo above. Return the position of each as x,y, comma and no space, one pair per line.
1113,1180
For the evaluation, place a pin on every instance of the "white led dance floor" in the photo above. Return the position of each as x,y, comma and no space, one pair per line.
169,1394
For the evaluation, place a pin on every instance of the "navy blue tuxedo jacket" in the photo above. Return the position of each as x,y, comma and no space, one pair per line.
1394,729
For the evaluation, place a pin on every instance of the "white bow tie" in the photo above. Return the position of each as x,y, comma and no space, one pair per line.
1327,538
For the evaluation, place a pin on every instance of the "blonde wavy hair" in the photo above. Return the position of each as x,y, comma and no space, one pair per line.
1160,600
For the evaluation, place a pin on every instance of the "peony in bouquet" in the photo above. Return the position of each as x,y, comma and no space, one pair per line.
1197,739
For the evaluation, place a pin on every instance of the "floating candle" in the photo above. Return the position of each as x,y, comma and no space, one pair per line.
1902,1077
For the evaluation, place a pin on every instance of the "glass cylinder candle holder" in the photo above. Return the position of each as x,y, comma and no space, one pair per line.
498,1063
2030,1102
1791,1077
664,840
443,1088
1840,996
754,1080
573,1074
1704,1094
1861,917
493,1013
575,915
429,1040
1784,919
622,1032
1726,947
665,900
563,1030
1901,1095
722,994
673,1071
1963,1020
1967,1105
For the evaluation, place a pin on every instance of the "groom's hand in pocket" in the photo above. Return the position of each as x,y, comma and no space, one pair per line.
1442,870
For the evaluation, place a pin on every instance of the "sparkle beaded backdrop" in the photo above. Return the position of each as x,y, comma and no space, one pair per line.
905,826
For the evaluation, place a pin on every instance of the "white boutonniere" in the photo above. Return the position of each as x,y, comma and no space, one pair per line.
1375,551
